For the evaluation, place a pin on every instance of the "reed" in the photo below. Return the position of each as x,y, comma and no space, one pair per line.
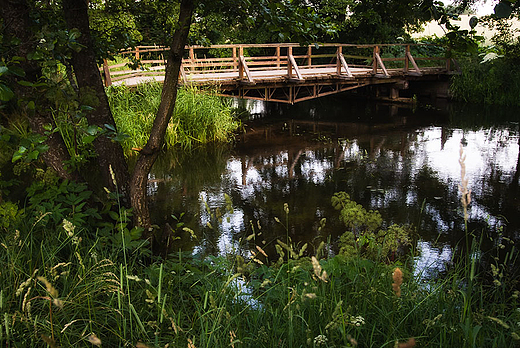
200,117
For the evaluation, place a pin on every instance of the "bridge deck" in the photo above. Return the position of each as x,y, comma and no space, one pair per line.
283,77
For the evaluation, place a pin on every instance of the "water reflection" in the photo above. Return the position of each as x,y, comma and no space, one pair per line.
402,161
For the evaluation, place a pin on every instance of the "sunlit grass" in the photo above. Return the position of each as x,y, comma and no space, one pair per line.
200,117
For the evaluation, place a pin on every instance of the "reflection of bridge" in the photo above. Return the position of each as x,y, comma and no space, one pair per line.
289,73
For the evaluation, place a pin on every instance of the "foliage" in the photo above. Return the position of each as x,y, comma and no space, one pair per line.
199,117
10,215
488,82
67,288
365,237
113,27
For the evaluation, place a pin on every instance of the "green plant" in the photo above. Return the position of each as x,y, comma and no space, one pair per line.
365,236
199,117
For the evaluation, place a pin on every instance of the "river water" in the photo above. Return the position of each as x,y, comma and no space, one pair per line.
401,160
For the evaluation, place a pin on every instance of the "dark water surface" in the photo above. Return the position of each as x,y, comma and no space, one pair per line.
400,160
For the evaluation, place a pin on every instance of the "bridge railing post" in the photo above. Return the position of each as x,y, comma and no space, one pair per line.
277,56
338,59
406,60
240,65
289,66
235,61
309,55
106,72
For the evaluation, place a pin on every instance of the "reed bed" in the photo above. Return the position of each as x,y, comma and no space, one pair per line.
200,116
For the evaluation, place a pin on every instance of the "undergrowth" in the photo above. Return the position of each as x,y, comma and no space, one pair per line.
496,81
199,117
74,275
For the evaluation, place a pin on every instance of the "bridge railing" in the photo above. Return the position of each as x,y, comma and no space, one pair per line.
241,61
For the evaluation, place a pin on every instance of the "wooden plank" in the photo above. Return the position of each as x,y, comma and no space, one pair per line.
106,71
411,60
345,66
243,63
291,64
381,64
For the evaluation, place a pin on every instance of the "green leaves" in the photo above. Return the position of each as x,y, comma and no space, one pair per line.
6,93
504,9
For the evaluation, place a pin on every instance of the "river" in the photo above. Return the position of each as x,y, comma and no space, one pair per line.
401,160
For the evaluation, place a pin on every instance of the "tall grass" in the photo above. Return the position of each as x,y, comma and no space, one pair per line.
199,117
70,293
71,275
495,82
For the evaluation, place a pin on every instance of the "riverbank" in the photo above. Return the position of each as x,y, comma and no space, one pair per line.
76,276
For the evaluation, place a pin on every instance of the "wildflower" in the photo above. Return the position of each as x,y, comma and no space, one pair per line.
499,322
265,283
397,276
466,194
112,175
311,296
320,340
24,303
23,286
132,277
261,251
68,227
357,321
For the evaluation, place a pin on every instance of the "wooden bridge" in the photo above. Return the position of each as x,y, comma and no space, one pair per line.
287,73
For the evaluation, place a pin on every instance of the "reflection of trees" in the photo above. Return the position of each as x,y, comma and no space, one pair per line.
303,162
177,180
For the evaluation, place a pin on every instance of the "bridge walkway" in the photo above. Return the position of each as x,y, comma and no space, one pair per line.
278,72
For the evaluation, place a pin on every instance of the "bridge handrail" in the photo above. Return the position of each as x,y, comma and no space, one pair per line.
237,61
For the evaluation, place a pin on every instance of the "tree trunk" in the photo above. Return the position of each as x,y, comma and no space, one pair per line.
15,14
150,152
110,153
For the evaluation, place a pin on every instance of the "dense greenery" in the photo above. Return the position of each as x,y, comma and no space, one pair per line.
491,75
199,116
73,275
490,82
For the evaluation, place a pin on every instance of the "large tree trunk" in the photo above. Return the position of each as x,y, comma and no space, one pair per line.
150,152
110,153
15,14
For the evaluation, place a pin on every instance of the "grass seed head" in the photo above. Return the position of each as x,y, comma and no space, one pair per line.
93,339
397,276
50,289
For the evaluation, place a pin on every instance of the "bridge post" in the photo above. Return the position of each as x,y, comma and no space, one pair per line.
374,60
240,66
338,60
137,52
406,59
106,72
235,61
289,67
309,55
277,56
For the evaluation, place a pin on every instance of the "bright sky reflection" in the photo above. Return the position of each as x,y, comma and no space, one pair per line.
254,176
